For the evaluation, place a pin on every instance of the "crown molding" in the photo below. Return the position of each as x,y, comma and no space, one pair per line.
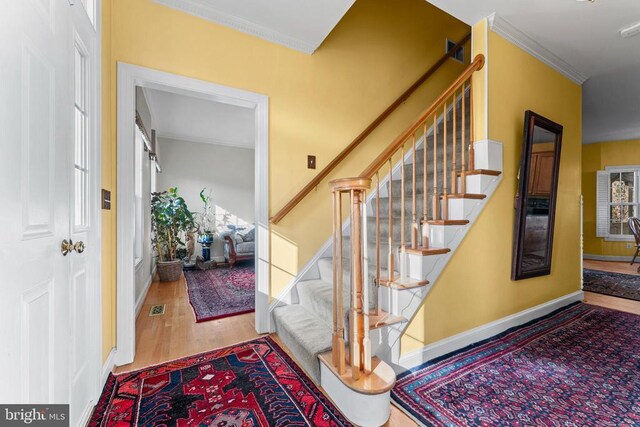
197,8
525,42
205,140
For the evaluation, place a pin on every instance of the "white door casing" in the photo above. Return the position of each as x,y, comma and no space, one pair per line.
130,76
37,139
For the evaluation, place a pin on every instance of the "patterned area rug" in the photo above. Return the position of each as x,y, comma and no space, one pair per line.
221,292
578,366
246,385
614,284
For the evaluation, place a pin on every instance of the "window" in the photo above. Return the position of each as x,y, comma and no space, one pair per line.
617,200
81,140
138,185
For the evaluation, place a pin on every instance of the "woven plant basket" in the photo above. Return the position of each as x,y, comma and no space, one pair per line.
169,271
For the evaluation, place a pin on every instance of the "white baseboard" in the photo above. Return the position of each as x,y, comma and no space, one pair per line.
145,291
107,367
608,257
461,340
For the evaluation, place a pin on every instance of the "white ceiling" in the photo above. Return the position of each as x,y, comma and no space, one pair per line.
186,118
586,36
299,24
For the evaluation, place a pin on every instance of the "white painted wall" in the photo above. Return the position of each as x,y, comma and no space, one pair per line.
146,268
228,171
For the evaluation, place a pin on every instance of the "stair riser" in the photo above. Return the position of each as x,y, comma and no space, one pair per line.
441,236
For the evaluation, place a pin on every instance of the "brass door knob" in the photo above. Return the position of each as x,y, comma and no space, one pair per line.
79,247
67,246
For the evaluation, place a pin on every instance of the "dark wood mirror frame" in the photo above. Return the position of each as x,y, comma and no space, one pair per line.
531,121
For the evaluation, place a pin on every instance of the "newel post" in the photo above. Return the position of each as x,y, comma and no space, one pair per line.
358,310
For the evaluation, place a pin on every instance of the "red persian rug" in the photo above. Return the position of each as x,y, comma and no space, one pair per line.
579,366
221,292
252,384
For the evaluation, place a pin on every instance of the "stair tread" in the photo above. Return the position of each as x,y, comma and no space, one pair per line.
381,379
403,284
426,251
384,319
466,196
448,222
482,172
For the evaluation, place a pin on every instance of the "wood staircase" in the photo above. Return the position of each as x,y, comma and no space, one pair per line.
406,212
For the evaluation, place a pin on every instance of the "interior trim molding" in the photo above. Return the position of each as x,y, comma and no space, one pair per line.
205,140
145,291
461,340
107,367
128,77
503,27
201,10
608,257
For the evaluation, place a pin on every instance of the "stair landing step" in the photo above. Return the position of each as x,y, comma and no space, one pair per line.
426,251
482,172
403,284
381,379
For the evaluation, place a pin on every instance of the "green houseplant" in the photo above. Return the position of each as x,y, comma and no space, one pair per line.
170,220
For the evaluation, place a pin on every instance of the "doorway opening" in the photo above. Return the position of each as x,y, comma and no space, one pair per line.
205,145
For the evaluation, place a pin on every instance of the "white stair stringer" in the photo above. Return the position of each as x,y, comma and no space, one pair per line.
408,302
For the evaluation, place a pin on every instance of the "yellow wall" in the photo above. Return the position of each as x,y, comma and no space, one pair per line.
475,287
596,157
109,183
317,103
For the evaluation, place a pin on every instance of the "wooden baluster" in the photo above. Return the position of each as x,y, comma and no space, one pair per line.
402,197
338,349
436,196
425,230
364,300
463,166
454,169
355,320
445,207
472,152
378,230
391,265
414,224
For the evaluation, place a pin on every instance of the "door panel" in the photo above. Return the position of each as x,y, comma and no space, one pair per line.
47,300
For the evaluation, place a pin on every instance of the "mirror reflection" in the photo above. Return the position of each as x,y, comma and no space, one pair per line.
539,186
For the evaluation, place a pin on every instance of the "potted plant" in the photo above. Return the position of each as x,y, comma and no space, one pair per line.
206,224
170,219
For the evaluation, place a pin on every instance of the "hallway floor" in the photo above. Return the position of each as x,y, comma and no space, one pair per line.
176,334
606,300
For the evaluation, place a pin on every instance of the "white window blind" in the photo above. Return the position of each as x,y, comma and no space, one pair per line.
602,204
617,200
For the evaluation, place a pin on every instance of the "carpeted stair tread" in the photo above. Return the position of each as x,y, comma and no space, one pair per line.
304,334
316,296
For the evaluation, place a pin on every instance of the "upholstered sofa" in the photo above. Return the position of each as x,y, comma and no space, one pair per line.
240,245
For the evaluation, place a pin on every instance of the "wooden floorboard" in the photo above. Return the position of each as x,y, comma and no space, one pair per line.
608,301
176,334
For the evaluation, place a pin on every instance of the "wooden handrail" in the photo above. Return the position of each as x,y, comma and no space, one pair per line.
370,171
364,134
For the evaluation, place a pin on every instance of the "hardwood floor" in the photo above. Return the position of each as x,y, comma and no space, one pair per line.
621,304
176,334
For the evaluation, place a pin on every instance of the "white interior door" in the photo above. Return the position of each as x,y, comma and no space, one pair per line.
44,296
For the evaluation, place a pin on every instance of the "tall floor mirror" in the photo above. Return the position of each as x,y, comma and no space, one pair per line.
536,198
